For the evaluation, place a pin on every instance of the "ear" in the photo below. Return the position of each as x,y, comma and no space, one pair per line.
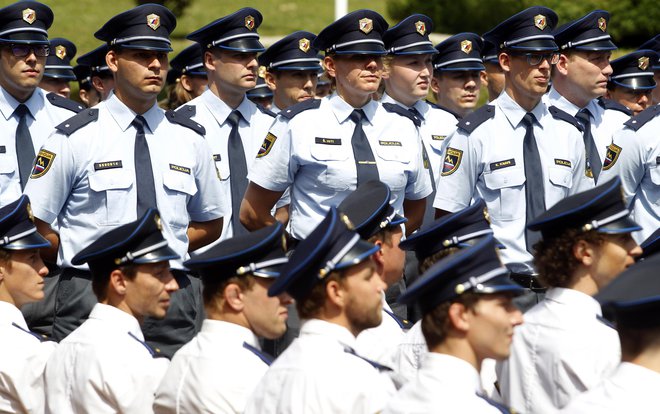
234,297
111,60
269,79
84,97
584,252
118,282
209,60
562,65
379,257
330,67
458,315
484,78
505,61
97,83
435,84
335,293
185,83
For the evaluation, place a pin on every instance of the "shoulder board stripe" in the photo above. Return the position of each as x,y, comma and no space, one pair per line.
643,117
65,103
183,118
476,118
398,109
78,121
565,116
294,110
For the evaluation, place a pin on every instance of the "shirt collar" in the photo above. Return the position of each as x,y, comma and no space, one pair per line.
117,317
8,103
575,298
556,99
11,314
461,371
514,113
124,116
328,329
343,110
421,106
230,332
220,110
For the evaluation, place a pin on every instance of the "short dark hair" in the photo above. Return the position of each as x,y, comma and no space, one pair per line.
436,323
309,306
213,287
101,277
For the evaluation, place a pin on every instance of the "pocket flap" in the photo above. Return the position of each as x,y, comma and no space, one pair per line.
178,181
561,176
507,177
113,179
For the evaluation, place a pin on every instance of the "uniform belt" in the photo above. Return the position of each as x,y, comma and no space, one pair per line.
528,281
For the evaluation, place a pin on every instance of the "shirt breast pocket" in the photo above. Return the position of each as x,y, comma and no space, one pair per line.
654,193
561,179
393,165
337,167
506,193
179,187
112,190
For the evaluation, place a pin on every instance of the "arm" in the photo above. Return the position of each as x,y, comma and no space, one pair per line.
257,205
49,254
414,212
201,233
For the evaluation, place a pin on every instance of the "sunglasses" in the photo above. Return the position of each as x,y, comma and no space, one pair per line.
22,50
534,59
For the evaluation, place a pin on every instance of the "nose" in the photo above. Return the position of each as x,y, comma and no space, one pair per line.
636,251
516,317
43,270
607,70
171,285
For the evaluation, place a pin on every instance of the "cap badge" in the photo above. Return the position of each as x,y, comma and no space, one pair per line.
420,26
304,44
262,72
29,211
466,46
540,21
249,22
643,62
60,51
29,16
349,224
486,215
159,223
460,289
366,25
602,24
153,21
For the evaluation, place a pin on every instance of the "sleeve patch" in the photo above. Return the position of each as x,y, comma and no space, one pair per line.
612,156
42,163
452,161
267,145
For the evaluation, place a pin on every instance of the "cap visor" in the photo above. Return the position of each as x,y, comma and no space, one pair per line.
638,83
463,66
26,38
32,241
538,45
362,49
245,45
596,46
417,50
64,74
160,255
623,225
501,284
359,253
148,45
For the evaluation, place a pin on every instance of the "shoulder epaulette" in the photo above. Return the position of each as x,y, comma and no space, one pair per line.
183,118
565,116
398,109
78,121
63,102
476,118
188,110
449,111
267,111
378,366
267,359
639,120
610,104
294,110
42,338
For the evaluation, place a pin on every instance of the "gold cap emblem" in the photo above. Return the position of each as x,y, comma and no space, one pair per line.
540,21
366,25
159,223
602,24
304,45
486,215
643,62
262,71
349,224
249,22
29,211
60,52
466,46
153,21
29,16
420,26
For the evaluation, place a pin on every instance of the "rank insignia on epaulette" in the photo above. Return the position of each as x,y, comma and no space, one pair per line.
29,16
611,156
540,21
643,62
452,161
249,22
267,145
304,45
466,46
366,25
153,21
420,26
60,52
42,163
602,24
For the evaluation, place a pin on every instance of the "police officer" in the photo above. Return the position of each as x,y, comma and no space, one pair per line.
105,365
323,149
469,315
101,76
29,114
492,77
564,348
86,91
654,45
457,70
579,80
634,156
291,66
58,71
261,94
23,354
219,369
518,154
106,166
187,77
235,126
338,294
632,81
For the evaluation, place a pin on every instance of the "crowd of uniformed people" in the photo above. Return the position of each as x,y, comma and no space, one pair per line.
302,231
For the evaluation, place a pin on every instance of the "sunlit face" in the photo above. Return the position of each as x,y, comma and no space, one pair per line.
57,86
526,82
140,74
491,324
292,86
364,290
613,256
588,73
636,101
235,72
20,75
408,77
494,79
356,75
148,294
22,277
394,259
457,90
266,315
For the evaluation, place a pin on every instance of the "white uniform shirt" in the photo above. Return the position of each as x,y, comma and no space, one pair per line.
444,384
312,153
90,183
43,118
211,112
561,350
631,389
316,374
103,366
22,361
604,122
638,164
379,343
488,164
213,373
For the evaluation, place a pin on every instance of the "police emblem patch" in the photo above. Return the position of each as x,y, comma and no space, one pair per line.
452,160
304,45
266,146
466,46
60,51
540,21
602,24
42,163
420,26
643,62
153,21
366,25
611,156
249,22
29,16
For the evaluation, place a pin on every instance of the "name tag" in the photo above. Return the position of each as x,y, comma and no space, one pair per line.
216,157
502,164
390,143
438,137
328,141
107,165
565,163
3,149
179,168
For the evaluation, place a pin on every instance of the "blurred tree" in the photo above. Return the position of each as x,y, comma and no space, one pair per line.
178,7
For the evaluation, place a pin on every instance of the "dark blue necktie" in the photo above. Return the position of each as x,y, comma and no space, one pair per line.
144,175
24,146
365,162
592,157
238,172
534,185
